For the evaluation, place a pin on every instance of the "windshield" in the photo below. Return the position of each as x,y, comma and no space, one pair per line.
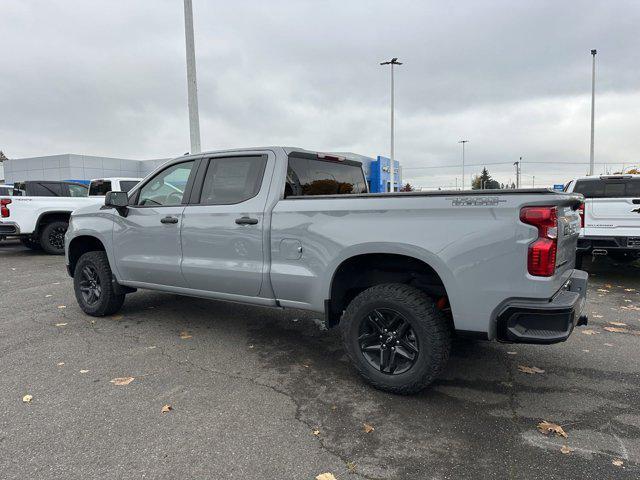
609,188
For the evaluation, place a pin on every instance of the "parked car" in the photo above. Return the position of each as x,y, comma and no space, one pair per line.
49,188
610,216
38,212
100,186
400,273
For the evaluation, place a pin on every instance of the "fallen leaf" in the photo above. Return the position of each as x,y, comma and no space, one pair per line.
48,296
615,329
62,306
618,324
305,365
84,371
530,370
608,344
512,353
608,285
326,476
165,408
151,347
117,317
27,398
617,462
316,432
368,428
596,316
60,364
185,335
334,407
122,380
566,449
548,427
589,332
351,467
586,351
60,324
629,289
603,290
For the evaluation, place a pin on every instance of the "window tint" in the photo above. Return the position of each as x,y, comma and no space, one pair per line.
126,185
618,188
167,187
77,190
317,177
45,189
100,187
232,180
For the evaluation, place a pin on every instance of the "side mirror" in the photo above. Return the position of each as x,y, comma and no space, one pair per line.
117,200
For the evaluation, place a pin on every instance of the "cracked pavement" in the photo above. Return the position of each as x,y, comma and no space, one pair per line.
251,384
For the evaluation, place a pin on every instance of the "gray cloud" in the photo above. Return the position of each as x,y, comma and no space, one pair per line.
108,77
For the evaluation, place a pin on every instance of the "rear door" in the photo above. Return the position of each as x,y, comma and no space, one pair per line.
612,206
223,226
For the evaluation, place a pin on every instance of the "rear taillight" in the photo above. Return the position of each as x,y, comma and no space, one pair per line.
4,209
581,212
541,260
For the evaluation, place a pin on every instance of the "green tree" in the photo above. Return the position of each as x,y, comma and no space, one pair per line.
3,157
407,188
484,181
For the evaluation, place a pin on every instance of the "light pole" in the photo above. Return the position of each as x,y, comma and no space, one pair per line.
517,165
192,84
593,106
463,142
392,62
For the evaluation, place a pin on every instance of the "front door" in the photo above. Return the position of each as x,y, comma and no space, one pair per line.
222,231
147,240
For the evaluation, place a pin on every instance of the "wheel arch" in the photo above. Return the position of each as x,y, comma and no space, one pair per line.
80,245
51,216
365,268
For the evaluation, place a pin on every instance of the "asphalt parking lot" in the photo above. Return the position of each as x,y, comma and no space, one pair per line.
249,387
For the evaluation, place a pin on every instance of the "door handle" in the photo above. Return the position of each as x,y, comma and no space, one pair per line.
246,221
169,220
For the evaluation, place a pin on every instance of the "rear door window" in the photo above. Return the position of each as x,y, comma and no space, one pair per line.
126,185
46,189
100,187
232,180
319,177
614,188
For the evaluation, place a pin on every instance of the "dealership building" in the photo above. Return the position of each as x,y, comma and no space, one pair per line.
83,168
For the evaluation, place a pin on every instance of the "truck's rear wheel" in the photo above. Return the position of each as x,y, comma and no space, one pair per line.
31,242
93,285
396,337
52,237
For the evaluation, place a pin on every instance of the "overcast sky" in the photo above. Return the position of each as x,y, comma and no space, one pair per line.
514,78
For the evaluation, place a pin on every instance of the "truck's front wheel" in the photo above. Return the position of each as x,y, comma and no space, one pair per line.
93,285
396,337
52,237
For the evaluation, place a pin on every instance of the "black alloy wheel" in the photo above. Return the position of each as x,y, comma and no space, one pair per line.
90,287
388,342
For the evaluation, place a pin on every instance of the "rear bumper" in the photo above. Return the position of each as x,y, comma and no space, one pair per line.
607,244
545,321
9,228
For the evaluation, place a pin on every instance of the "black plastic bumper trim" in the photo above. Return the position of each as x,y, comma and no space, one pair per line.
544,322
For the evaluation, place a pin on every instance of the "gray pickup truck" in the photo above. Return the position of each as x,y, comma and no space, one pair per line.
400,273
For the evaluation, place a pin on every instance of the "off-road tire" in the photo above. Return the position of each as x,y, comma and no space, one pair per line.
50,230
109,302
31,242
432,330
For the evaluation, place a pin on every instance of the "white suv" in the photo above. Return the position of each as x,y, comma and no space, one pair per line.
610,216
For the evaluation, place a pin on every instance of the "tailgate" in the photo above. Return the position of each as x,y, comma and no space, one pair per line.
568,231
612,216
